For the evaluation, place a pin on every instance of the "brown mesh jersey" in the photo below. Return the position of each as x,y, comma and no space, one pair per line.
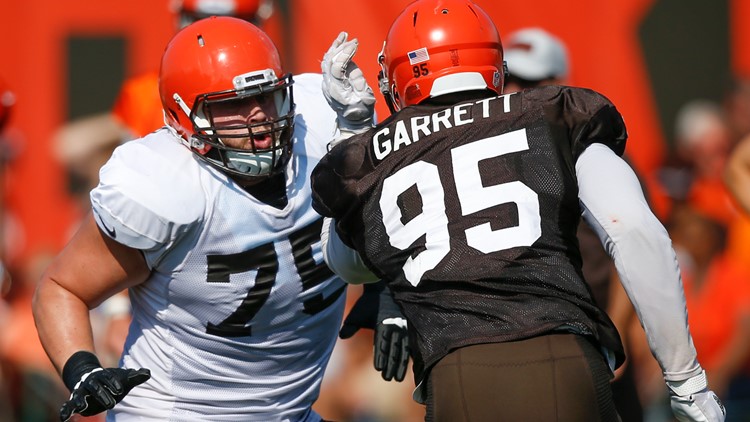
469,210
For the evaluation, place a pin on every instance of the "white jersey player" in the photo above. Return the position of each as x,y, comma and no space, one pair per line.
234,312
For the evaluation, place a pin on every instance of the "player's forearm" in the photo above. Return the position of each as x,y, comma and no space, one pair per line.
62,322
615,207
341,259
650,275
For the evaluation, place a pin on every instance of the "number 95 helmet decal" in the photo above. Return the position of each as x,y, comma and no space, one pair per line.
225,62
437,47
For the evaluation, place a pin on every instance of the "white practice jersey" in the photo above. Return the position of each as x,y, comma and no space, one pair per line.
240,314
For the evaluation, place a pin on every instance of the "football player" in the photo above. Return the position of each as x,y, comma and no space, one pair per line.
208,223
467,202
138,110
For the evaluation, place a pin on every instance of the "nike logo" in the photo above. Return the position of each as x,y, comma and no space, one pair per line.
111,232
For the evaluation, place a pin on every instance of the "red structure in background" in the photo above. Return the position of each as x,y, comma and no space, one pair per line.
601,36
34,65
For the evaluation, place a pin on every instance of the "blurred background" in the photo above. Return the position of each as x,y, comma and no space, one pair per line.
678,71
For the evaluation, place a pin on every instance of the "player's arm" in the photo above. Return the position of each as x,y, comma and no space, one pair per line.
346,89
349,95
614,205
91,268
737,173
341,259
375,309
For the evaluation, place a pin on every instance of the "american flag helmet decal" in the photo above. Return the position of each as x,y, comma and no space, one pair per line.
418,56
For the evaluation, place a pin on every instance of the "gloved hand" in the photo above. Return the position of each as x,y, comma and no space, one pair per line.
345,88
692,401
95,389
375,309
392,348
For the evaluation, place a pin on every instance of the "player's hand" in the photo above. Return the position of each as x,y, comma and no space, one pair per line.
392,348
692,401
97,389
101,389
345,87
376,310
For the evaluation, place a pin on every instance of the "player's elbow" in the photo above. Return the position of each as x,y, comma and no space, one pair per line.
45,294
638,226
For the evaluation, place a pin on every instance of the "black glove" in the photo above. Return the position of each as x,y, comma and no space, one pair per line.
376,310
95,389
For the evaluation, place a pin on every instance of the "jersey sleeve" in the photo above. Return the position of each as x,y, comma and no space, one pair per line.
144,200
592,118
327,184
614,206
334,185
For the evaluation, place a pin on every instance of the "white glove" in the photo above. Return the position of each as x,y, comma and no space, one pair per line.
692,401
346,89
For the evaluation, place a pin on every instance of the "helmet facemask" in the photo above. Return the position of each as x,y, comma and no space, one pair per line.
212,141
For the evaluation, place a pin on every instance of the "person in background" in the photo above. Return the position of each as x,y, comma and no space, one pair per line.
30,389
736,174
467,202
702,146
7,101
138,107
536,58
717,290
208,224
736,106
35,390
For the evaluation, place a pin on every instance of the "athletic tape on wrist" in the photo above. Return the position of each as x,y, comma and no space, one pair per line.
79,365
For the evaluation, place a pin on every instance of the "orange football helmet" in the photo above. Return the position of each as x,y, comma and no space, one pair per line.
255,11
219,60
437,47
